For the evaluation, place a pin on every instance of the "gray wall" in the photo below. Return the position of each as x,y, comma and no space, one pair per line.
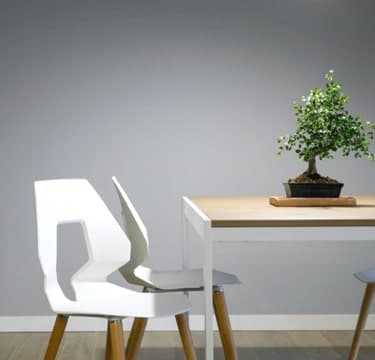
178,98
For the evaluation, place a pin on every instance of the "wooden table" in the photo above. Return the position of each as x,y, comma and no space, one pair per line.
247,218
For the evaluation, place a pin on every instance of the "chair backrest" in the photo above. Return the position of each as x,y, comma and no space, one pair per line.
135,230
76,201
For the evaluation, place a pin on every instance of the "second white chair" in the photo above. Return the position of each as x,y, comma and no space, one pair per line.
164,281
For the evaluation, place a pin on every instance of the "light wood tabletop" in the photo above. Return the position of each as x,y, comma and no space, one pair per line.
256,211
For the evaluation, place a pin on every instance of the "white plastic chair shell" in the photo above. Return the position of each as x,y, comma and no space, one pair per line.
135,273
75,200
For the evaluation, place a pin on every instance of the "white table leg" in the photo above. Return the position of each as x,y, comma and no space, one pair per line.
208,307
202,224
185,249
184,245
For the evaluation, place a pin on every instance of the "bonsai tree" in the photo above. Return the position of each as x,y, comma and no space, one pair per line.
324,126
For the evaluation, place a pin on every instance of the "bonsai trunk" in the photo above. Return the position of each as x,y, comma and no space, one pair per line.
311,170
311,175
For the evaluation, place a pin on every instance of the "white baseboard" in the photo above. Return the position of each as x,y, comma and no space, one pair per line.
239,322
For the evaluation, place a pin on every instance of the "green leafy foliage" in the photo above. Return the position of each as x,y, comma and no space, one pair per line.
324,126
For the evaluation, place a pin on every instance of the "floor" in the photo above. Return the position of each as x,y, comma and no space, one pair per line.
257,345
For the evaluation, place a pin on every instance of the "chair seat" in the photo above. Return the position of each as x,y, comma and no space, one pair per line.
190,279
367,276
106,299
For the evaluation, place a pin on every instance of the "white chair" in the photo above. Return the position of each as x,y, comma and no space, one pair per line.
163,281
75,200
367,277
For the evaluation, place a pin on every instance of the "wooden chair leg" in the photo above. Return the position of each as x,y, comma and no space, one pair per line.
117,339
56,336
135,338
361,323
186,338
108,346
223,324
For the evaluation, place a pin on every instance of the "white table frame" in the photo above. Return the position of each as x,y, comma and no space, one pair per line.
202,224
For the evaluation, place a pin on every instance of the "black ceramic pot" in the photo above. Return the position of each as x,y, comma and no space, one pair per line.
313,190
